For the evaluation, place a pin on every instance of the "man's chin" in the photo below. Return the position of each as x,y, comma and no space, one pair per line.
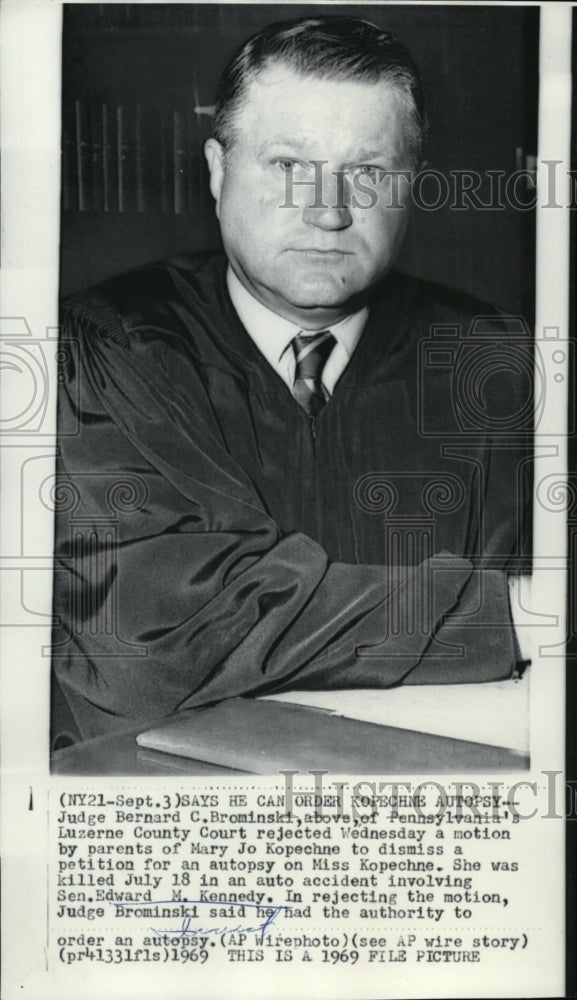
322,294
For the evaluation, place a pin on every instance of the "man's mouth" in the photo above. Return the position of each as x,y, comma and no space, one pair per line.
315,252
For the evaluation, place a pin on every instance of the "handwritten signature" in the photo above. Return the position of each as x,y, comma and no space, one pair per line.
186,930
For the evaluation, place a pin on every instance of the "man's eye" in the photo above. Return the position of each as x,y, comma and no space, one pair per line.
286,165
367,170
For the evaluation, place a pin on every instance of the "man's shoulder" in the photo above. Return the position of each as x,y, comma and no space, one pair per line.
148,295
426,302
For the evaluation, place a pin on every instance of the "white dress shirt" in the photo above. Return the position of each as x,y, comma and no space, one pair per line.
273,335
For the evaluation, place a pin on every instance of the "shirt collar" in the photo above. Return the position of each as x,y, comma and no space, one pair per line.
272,334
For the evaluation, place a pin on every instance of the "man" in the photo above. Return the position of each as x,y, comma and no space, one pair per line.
262,485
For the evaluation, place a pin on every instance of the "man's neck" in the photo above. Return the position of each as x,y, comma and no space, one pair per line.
272,334
311,318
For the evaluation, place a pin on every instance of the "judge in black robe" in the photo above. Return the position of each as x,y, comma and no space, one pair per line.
212,542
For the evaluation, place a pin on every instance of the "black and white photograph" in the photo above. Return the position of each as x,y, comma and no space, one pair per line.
296,400
287,352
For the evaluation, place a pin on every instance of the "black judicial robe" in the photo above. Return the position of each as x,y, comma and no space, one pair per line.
211,541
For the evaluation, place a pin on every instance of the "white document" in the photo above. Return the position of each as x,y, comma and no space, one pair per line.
496,714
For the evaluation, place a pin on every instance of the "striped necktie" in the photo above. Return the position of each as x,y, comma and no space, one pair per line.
311,353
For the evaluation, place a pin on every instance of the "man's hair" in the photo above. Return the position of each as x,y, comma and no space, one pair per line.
328,48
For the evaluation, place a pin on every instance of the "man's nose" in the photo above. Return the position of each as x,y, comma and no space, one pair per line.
330,208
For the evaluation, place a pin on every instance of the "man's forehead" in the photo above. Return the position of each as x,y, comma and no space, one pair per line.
280,104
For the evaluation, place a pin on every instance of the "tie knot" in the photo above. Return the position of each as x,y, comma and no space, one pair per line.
311,353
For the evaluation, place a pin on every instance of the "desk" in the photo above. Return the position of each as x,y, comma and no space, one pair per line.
334,744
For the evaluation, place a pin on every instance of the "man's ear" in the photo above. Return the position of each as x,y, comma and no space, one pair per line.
215,158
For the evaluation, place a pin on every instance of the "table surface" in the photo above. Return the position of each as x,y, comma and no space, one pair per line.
377,750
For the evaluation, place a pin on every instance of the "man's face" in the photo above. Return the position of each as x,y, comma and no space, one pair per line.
309,251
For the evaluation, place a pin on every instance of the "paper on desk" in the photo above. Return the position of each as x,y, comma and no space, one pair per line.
496,713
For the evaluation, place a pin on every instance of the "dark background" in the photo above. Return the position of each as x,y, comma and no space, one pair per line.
134,181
